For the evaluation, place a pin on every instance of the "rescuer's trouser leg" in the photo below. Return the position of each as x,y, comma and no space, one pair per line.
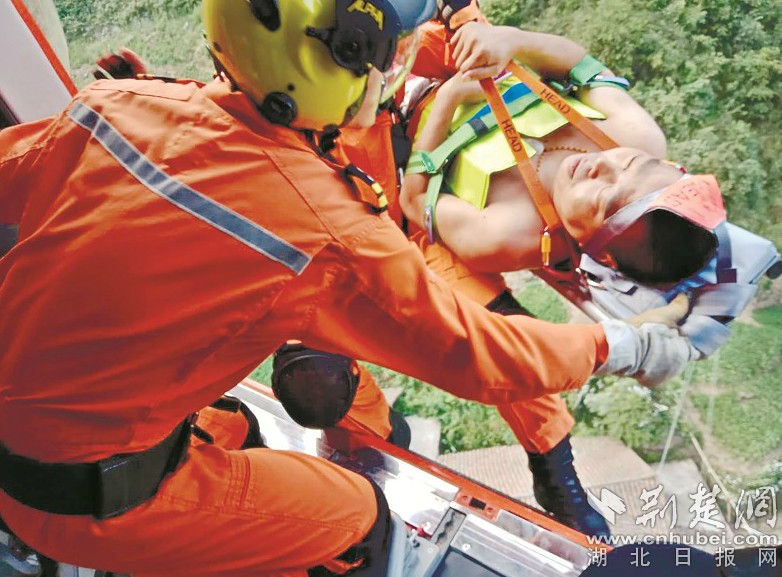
370,413
225,512
541,425
556,485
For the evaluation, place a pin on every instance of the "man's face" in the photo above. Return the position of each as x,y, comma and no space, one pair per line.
590,187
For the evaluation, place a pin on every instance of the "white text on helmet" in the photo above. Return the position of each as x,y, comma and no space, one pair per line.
367,8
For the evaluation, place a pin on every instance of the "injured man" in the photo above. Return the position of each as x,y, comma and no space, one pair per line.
628,212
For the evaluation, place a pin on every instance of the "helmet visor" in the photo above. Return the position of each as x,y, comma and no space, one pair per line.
394,76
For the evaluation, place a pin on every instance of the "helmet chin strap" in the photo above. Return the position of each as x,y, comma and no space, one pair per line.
323,142
221,70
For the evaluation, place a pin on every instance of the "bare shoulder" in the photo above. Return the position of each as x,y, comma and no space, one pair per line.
627,122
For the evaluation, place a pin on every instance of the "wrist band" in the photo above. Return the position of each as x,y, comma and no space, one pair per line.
455,14
585,70
615,81
587,73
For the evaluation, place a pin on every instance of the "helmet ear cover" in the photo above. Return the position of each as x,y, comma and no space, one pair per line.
363,35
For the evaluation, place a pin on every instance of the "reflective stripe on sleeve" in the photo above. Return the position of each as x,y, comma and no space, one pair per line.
184,197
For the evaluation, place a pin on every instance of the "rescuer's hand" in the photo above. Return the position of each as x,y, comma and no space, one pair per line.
459,90
650,353
482,50
124,64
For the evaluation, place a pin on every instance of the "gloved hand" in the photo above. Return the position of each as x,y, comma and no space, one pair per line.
447,9
124,64
648,347
450,6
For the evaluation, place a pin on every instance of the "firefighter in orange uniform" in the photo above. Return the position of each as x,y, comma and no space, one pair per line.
349,398
173,234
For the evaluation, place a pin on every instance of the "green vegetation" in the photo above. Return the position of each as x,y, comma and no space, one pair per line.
465,425
542,301
166,33
623,409
769,316
742,406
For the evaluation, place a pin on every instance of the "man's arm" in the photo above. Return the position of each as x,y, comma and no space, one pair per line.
482,51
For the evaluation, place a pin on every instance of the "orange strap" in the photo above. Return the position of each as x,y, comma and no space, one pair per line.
584,125
538,192
540,196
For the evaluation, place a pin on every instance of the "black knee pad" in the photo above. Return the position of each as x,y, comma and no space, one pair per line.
316,388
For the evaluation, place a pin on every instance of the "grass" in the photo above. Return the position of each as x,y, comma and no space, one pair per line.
542,301
166,34
743,404
769,316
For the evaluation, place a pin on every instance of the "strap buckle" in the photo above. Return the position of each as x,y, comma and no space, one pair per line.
429,223
428,163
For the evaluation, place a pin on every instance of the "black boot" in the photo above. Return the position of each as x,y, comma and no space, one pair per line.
400,430
558,490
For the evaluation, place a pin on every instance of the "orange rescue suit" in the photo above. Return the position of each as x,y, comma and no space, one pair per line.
170,239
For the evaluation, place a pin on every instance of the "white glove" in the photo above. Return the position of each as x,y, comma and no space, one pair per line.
651,353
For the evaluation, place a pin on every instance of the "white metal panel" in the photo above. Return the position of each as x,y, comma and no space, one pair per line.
29,85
